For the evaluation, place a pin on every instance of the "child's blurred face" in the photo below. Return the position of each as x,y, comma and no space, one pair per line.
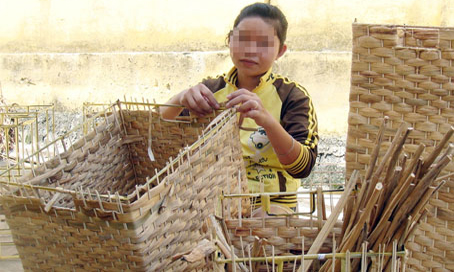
254,46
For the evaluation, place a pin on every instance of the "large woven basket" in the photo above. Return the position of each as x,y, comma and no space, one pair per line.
406,73
103,204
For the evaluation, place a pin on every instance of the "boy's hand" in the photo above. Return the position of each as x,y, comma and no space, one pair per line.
249,105
198,99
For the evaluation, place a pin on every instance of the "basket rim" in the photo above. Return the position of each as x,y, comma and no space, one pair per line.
214,125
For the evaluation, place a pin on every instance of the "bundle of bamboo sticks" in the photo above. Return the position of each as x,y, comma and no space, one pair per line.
391,198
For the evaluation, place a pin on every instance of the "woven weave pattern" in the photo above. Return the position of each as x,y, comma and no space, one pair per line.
285,234
104,205
406,73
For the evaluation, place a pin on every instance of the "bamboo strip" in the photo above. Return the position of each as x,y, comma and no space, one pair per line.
375,177
223,242
431,158
376,150
350,239
315,247
414,197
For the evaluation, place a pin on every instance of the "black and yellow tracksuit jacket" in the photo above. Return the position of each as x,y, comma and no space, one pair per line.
290,104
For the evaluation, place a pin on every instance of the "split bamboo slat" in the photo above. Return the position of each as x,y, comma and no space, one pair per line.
328,227
405,73
133,194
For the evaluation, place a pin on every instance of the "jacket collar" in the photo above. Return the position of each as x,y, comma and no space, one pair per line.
232,77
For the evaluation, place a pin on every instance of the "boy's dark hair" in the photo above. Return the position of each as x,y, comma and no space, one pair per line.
268,13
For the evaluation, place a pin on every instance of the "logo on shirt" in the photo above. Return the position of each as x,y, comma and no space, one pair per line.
259,143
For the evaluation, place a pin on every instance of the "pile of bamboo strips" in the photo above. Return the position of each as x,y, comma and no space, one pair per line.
392,197
382,213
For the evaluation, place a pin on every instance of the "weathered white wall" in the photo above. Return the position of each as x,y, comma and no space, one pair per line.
70,52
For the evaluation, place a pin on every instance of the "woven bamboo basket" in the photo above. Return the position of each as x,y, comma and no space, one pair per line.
103,204
406,73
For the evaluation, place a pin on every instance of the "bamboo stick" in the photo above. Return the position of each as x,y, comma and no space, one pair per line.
423,201
392,213
449,150
431,158
416,194
329,224
256,248
375,152
323,205
401,241
396,153
388,211
417,214
375,177
351,238
356,206
410,187
414,224
319,208
413,163
374,158
359,247
223,245
387,247
387,191
52,202
347,213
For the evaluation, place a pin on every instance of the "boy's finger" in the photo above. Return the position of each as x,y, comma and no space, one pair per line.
235,101
202,104
194,106
209,98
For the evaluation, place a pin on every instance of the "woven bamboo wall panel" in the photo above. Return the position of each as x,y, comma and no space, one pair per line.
103,205
285,234
406,73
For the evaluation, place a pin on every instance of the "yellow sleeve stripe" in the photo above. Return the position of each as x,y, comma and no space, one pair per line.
298,159
302,165
301,161
285,198
288,203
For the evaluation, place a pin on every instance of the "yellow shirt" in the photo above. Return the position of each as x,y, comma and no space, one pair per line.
290,104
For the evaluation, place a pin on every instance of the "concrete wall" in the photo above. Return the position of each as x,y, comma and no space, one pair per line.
70,52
